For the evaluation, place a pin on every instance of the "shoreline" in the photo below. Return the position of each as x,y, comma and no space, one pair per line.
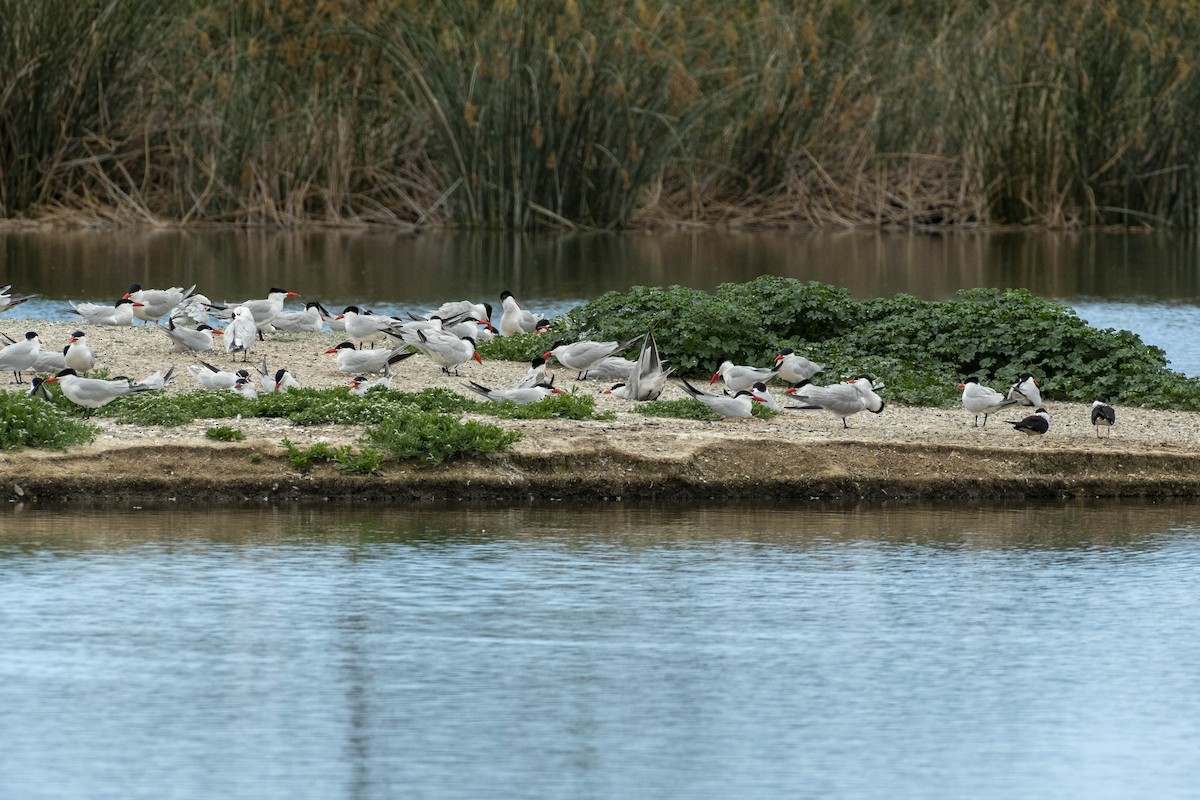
904,453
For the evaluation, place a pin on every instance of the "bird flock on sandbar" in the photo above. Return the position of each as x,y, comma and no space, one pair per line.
447,336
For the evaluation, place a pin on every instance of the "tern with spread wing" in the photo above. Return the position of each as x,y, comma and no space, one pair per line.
152,305
581,356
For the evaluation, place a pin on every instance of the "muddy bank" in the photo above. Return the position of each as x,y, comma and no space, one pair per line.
598,469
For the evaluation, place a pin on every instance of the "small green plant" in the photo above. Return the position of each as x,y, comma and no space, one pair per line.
224,433
517,347
436,437
32,422
677,409
256,458
366,461
565,405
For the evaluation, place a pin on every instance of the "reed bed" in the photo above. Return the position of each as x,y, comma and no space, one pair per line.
600,115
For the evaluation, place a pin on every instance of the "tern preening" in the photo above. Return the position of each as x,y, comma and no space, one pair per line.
152,305
1103,415
739,377
842,399
978,399
737,406
240,333
1025,391
515,319
1036,424
793,368
185,340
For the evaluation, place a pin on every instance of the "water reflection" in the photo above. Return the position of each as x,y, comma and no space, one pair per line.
1024,524
388,267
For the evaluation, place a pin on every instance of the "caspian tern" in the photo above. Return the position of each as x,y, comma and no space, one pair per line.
194,311
156,381
738,406
309,320
281,381
581,356
515,319
613,368
646,378
445,349
367,327
245,387
521,397
841,399
186,340
7,300
37,388
92,392
759,391
79,355
240,333
1103,414
152,305
210,377
21,355
738,378
1036,424
1025,391
263,310
353,361
535,375
465,309
792,367
978,399
119,313
359,385
50,360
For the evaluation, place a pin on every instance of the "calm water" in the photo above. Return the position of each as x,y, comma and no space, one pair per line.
982,652
1145,282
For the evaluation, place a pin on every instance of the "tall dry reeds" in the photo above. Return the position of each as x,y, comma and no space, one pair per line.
569,113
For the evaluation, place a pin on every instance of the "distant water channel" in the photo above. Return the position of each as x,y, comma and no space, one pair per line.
1145,282
1040,650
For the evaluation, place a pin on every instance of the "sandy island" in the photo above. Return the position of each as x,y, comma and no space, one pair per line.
904,453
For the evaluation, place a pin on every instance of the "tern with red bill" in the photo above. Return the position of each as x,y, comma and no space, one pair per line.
792,367
738,378
978,399
152,305
581,356
514,319
736,406
1025,391
93,393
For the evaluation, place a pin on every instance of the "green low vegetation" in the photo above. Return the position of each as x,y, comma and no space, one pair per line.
921,349
31,422
224,433
435,438
366,461
568,113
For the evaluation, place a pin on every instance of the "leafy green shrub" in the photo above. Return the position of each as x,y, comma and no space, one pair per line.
565,405
224,433
31,422
436,438
518,347
921,349
367,461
